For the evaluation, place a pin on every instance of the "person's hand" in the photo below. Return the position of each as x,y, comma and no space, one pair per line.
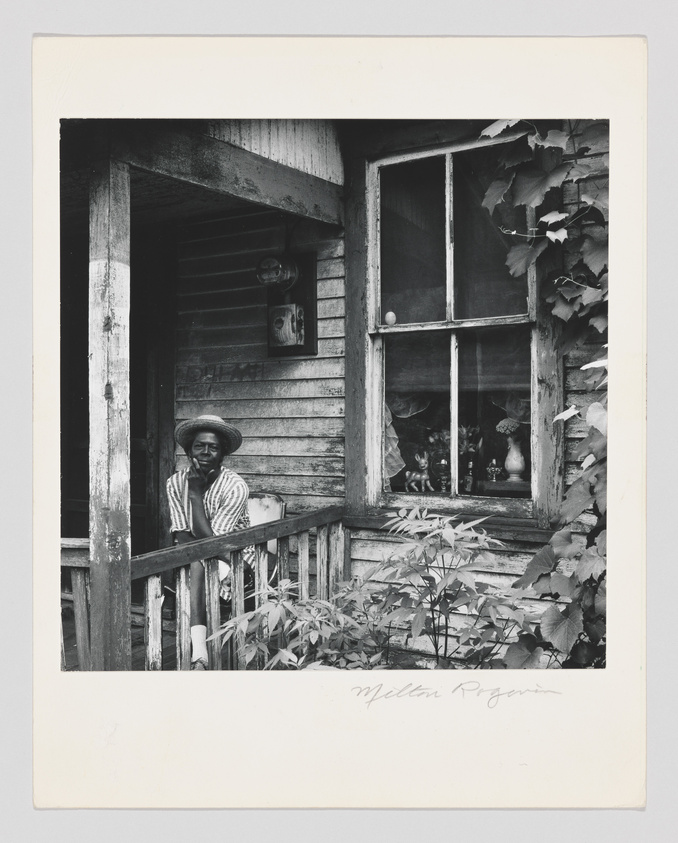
198,481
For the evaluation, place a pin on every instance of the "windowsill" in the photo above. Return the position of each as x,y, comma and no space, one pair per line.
498,526
461,504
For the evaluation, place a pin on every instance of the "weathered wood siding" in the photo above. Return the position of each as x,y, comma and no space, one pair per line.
311,146
291,410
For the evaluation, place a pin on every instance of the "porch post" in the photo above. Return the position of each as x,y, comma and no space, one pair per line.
109,428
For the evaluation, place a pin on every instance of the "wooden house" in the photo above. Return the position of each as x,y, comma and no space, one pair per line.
405,338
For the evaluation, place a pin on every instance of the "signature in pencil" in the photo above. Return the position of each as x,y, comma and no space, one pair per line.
469,689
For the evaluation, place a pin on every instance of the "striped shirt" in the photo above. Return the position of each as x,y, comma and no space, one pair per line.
225,505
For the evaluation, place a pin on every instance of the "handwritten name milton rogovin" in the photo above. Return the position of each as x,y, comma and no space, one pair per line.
376,693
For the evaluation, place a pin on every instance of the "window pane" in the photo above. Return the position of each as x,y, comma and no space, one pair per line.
413,248
494,390
483,285
417,412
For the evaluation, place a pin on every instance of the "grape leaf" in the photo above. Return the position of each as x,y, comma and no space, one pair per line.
495,192
524,653
562,585
591,564
553,217
576,501
590,295
558,236
562,544
580,171
599,323
497,128
532,184
564,310
543,562
553,138
562,628
566,414
594,253
598,196
601,543
601,599
516,152
596,416
522,256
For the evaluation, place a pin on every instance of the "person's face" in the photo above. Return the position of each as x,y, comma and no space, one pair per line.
207,450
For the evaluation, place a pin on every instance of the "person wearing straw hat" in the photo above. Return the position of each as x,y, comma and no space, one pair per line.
207,499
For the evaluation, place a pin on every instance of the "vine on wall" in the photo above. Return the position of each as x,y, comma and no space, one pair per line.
564,174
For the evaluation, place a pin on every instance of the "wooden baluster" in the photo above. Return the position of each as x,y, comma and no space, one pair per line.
81,617
321,563
260,572
153,622
260,586
302,560
213,612
283,558
183,614
238,607
336,553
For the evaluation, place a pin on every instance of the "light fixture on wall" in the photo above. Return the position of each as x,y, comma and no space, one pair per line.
290,282
278,272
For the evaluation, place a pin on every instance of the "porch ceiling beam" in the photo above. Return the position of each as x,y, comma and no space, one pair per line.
222,168
109,431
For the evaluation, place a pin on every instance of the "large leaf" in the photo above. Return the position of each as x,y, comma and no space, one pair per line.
497,128
596,416
517,152
553,217
598,196
562,544
543,562
594,253
562,584
600,491
591,295
524,653
553,138
523,255
562,628
599,323
532,184
577,499
601,599
566,414
564,309
496,191
558,236
591,564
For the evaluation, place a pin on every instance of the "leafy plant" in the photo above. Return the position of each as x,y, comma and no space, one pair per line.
426,588
570,245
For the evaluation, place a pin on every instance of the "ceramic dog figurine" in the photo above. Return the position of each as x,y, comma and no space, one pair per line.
421,476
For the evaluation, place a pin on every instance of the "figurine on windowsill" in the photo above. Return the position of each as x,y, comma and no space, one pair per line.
421,476
493,471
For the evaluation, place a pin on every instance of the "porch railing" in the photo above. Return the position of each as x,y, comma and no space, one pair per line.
331,566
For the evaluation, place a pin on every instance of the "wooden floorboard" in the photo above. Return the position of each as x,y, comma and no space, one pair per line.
138,649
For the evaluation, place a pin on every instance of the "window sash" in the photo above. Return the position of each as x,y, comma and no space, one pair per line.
375,381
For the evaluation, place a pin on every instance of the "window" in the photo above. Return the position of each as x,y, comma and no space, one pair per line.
462,375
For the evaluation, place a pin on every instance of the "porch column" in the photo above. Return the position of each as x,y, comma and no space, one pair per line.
109,427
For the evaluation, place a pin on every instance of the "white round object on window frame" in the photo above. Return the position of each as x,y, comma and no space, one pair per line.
390,318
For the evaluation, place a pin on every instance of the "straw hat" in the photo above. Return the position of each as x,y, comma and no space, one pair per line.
230,436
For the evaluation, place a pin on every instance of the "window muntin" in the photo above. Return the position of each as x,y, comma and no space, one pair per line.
450,367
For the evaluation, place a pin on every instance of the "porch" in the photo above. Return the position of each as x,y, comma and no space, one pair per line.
313,548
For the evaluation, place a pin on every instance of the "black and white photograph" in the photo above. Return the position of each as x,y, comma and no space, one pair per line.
333,393
322,336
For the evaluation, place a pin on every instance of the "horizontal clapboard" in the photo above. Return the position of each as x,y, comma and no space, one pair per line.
290,411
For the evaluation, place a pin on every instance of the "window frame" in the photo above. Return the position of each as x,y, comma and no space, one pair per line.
363,325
